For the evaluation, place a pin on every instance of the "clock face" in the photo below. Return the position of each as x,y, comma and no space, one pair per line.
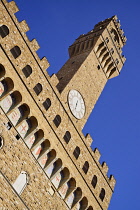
76,104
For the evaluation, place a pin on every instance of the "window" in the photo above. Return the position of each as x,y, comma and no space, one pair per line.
85,167
38,89
57,120
102,194
27,70
76,152
8,125
67,137
94,181
47,103
106,40
2,70
17,136
98,67
111,51
1,142
4,31
15,51
21,182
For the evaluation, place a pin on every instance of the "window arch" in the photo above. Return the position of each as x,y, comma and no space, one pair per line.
47,103
85,167
1,142
27,70
15,51
4,31
102,194
21,182
38,89
76,152
94,181
67,137
57,120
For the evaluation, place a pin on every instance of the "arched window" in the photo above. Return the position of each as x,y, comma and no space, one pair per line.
27,70
76,152
83,203
90,208
15,51
2,70
1,142
21,182
102,194
85,167
47,103
38,89
67,137
57,120
4,31
94,181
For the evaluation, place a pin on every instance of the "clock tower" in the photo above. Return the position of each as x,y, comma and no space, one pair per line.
95,57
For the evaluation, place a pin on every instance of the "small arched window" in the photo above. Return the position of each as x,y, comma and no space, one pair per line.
76,152
57,120
85,167
1,142
21,182
94,181
67,137
102,194
38,89
4,31
47,103
2,70
15,51
27,70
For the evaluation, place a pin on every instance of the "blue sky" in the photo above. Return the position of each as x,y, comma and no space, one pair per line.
114,123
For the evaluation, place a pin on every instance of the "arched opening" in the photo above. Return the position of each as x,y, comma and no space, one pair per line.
85,167
83,203
90,208
102,52
16,52
76,152
47,103
34,139
57,120
67,188
21,182
49,162
4,31
102,194
60,178
67,137
27,71
10,101
1,142
38,88
2,71
18,114
77,196
6,86
94,181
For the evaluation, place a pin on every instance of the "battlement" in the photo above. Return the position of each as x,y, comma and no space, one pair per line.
23,28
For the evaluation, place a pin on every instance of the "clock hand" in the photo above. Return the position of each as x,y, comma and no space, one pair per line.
76,104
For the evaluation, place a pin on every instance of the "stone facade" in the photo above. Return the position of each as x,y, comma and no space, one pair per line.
38,133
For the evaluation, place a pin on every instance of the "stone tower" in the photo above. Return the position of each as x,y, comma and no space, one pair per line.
46,161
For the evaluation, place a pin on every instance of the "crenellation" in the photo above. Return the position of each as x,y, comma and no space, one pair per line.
34,45
24,26
104,168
